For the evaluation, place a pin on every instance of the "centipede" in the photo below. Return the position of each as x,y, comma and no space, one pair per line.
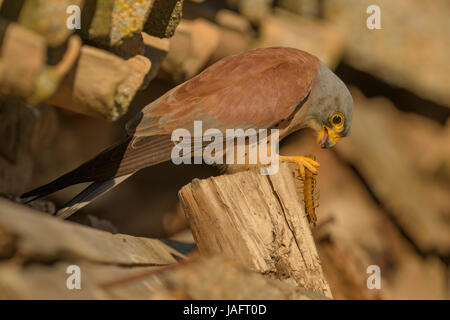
311,195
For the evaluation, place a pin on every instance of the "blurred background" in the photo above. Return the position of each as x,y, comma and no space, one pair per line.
385,190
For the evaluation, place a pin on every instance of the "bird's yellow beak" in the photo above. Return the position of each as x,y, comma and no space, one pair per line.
327,137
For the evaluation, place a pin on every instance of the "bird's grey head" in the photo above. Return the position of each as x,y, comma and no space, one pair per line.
331,109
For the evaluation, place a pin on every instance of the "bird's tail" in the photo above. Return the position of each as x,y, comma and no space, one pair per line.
107,170
101,168
89,194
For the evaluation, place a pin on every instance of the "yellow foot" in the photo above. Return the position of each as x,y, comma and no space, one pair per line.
302,163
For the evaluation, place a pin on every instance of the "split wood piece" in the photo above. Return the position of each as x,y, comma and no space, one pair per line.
235,31
287,29
233,21
47,18
26,76
211,278
109,23
307,8
23,56
413,55
235,34
139,67
164,18
190,49
128,48
101,84
30,236
36,250
258,221
49,78
48,281
254,10
23,131
155,49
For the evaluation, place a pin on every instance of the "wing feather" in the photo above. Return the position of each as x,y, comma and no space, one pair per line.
257,88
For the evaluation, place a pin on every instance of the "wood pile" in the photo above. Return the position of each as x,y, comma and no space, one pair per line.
66,74
36,251
190,232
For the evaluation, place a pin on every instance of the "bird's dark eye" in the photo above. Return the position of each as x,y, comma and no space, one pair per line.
337,119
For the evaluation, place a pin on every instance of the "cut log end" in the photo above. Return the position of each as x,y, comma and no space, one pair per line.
258,221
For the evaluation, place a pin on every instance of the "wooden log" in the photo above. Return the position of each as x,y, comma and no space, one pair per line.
139,67
235,34
129,47
233,21
258,221
254,10
109,23
287,29
397,53
219,278
440,165
235,31
46,281
155,49
190,49
19,68
50,76
211,278
47,18
101,84
36,249
164,18
39,237
306,8
23,131
27,77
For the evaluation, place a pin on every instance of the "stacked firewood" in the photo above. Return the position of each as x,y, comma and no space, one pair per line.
384,190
